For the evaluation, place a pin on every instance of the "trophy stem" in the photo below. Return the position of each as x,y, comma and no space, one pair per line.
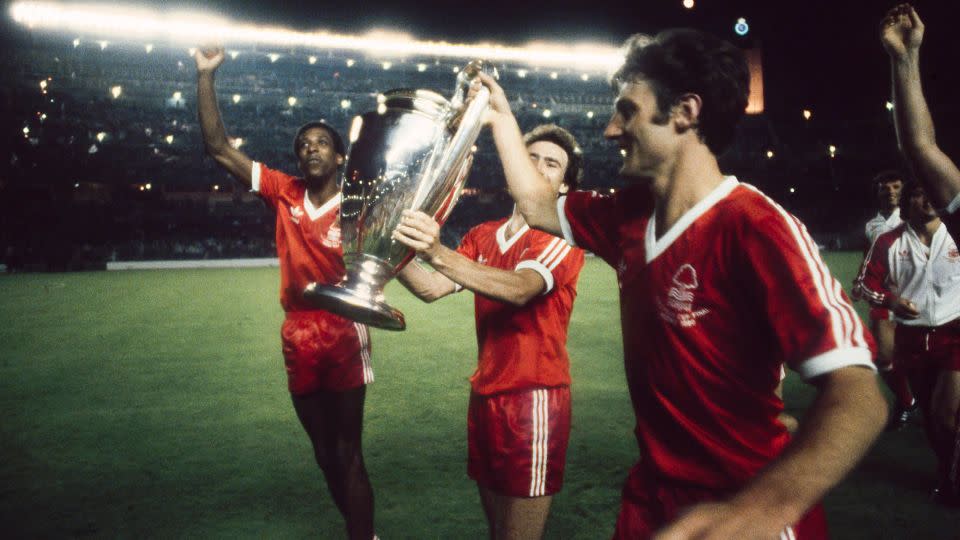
359,296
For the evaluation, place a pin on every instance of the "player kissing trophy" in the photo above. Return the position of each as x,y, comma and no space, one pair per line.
413,153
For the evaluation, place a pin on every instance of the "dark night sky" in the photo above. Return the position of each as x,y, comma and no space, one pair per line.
823,53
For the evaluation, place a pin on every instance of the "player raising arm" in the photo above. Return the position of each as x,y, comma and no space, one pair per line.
719,288
524,284
901,33
327,357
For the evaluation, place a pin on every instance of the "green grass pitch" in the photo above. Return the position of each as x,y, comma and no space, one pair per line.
154,404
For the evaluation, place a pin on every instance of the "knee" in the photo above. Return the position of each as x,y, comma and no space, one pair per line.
346,453
323,455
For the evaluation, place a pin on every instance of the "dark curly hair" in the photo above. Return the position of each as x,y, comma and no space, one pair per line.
565,140
681,61
338,145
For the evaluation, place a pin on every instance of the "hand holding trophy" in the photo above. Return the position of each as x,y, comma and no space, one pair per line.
412,153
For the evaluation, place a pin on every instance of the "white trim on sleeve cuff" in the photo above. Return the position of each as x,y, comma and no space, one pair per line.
834,360
540,269
255,178
564,224
954,204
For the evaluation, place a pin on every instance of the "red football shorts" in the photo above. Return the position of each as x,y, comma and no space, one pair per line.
880,314
517,441
926,348
323,351
656,504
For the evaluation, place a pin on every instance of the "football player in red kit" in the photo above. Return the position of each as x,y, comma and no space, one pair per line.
719,287
524,283
327,357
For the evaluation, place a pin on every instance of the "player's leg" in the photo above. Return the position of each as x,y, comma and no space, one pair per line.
945,410
334,423
905,404
521,518
489,503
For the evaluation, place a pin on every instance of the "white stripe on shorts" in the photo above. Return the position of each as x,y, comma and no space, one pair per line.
787,534
538,461
364,336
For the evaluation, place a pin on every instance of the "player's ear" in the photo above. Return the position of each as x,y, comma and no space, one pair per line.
686,112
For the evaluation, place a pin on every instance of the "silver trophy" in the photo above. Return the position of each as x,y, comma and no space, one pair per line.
413,152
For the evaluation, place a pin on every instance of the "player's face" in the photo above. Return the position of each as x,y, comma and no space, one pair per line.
920,206
317,154
888,193
551,162
646,142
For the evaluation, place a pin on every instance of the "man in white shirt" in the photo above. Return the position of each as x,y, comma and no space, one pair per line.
887,187
914,271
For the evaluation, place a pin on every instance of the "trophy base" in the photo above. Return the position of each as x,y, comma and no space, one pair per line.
347,304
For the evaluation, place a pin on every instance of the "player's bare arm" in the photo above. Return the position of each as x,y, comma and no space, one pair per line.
845,418
215,139
901,33
421,233
535,197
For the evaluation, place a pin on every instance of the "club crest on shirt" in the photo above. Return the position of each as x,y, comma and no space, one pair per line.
677,308
295,214
953,254
332,238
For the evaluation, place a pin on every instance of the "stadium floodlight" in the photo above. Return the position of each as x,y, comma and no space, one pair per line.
421,67
584,77
189,28
889,105
103,44
351,62
742,28
589,114
456,69
273,57
547,113
26,131
345,103
312,60
216,187
178,95
832,150
807,114
169,139
148,47
101,136
236,99
793,190
43,84
192,51
233,54
116,91
76,43
148,185
522,73
554,75
386,65
291,101
688,4
769,154
43,116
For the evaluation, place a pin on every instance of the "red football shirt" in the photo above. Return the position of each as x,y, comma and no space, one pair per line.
711,310
523,347
308,238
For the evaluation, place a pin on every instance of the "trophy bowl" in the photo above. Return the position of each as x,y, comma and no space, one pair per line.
413,152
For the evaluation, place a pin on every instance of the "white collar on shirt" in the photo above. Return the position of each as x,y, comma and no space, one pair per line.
655,247
313,212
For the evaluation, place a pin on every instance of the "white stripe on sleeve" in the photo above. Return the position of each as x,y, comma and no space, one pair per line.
954,204
564,223
255,177
540,269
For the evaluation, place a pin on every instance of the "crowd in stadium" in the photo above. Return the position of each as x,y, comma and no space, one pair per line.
132,167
